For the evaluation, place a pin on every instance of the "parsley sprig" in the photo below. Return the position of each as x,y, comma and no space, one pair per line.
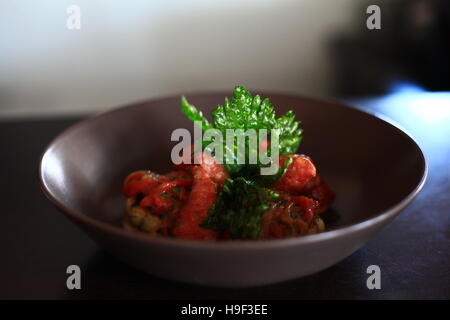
245,197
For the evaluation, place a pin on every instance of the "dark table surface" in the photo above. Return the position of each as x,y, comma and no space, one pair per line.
37,243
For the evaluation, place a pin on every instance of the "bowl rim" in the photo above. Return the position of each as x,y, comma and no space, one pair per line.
237,244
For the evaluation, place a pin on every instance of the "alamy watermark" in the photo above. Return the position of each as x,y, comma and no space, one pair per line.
74,279
73,21
373,21
241,147
374,280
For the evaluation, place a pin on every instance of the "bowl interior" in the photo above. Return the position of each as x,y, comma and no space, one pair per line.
369,163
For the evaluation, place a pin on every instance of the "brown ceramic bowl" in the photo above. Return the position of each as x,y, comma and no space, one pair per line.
375,168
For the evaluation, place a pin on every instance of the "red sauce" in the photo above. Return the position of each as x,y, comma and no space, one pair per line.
180,200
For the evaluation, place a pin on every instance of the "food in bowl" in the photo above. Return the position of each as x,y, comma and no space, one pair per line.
82,169
210,195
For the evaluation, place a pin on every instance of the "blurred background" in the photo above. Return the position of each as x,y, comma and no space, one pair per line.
131,50
137,49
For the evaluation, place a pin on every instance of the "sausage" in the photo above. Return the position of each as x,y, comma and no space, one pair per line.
317,189
297,175
195,210
216,171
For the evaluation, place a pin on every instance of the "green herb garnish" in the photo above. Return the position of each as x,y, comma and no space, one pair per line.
239,208
244,198
193,114
245,112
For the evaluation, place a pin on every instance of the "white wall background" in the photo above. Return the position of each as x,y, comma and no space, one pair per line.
137,49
